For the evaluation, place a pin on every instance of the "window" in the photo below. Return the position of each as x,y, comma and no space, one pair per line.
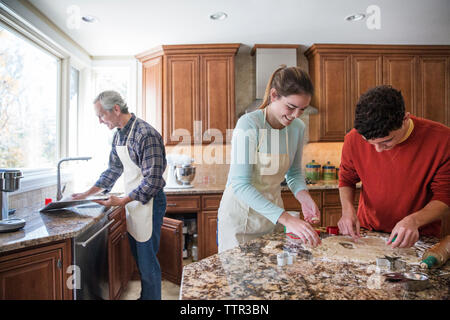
73,111
29,78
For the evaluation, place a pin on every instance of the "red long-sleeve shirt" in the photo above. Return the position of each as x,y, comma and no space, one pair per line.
400,181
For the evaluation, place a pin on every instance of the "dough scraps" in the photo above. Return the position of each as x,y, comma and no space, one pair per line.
365,250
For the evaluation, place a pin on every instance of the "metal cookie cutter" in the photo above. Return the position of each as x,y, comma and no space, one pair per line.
391,263
410,281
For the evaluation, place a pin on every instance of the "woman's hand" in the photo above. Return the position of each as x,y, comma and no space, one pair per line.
310,211
300,228
79,196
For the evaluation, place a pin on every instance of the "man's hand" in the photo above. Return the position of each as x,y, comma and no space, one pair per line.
349,224
301,228
79,196
113,201
407,232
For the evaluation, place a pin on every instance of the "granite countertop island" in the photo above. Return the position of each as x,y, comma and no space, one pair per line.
250,271
41,228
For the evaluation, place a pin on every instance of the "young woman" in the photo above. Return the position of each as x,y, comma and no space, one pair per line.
267,147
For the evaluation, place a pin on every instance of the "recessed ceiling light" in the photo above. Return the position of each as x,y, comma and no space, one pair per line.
355,17
218,16
89,19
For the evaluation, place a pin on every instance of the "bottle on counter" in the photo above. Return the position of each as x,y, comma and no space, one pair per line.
194,248
437,255
313,171
329,171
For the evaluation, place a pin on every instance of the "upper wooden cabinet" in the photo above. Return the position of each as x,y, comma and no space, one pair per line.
188,91
341,73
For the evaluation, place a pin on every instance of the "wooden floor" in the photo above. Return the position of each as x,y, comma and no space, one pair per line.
169,291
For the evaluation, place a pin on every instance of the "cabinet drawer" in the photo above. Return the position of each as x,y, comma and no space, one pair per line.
331,198
119,216
211,202
291,203
183,203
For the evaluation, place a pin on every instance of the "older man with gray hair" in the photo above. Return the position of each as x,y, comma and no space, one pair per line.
138,152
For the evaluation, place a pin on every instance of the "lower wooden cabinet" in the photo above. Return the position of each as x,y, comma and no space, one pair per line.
120,258
209,238
170,254
37,273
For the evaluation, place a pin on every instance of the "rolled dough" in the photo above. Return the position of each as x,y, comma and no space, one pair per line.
365,250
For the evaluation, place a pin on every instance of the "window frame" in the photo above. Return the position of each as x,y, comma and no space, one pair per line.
44,177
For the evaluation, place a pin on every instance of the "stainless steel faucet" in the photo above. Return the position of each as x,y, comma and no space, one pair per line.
59,194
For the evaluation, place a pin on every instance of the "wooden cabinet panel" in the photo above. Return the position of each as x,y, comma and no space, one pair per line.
116,268
197,91
209,232
366,73
291,203
152,78
211,202
216,95
331,216
334,97
331,198
183,204
434,89
170,254
36,274
181,99
401,73
445,226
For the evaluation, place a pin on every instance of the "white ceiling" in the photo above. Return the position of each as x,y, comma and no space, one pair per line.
129,27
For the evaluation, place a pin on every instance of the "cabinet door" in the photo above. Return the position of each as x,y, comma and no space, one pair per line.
335,97
115,266
37,275
209,239
366,71
181,99
401,73
152,92
217,105
331,216
434,89
170,254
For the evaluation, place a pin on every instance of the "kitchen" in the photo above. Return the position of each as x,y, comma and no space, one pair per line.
191,72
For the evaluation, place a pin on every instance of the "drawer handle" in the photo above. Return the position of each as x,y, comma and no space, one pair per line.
171,204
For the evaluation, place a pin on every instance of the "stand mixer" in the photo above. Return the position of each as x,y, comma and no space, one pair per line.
9,182
180,172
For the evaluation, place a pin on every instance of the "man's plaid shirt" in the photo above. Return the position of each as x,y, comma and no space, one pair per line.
146,150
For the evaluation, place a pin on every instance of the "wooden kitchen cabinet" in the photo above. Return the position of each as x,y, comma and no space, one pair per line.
120,259
37,273
170,254
188,91
341,73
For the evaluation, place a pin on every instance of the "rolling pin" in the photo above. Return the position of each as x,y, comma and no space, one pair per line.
437,255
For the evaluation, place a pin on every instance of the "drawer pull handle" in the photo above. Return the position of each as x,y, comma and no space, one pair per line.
171,204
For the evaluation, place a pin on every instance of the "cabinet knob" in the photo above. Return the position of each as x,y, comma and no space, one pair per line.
59,264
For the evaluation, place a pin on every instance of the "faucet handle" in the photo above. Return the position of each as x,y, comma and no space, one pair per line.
63,189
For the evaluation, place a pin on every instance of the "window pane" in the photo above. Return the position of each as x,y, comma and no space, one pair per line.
28,103
73,111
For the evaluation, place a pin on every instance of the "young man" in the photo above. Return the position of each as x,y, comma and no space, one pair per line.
403,163
138,152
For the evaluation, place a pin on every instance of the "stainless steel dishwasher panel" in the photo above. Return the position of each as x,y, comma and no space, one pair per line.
91,257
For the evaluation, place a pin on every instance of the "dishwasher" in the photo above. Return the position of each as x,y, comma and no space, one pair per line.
90,252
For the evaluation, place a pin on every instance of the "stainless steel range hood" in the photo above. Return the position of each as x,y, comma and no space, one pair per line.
268,59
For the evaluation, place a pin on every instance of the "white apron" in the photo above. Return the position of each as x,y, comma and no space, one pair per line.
237,222
139,216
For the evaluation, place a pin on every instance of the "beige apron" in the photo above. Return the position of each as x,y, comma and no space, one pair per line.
237,222
139,216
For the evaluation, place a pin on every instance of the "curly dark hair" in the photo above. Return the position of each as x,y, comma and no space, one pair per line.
379,111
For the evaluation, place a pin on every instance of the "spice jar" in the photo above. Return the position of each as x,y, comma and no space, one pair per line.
329,171
313,171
